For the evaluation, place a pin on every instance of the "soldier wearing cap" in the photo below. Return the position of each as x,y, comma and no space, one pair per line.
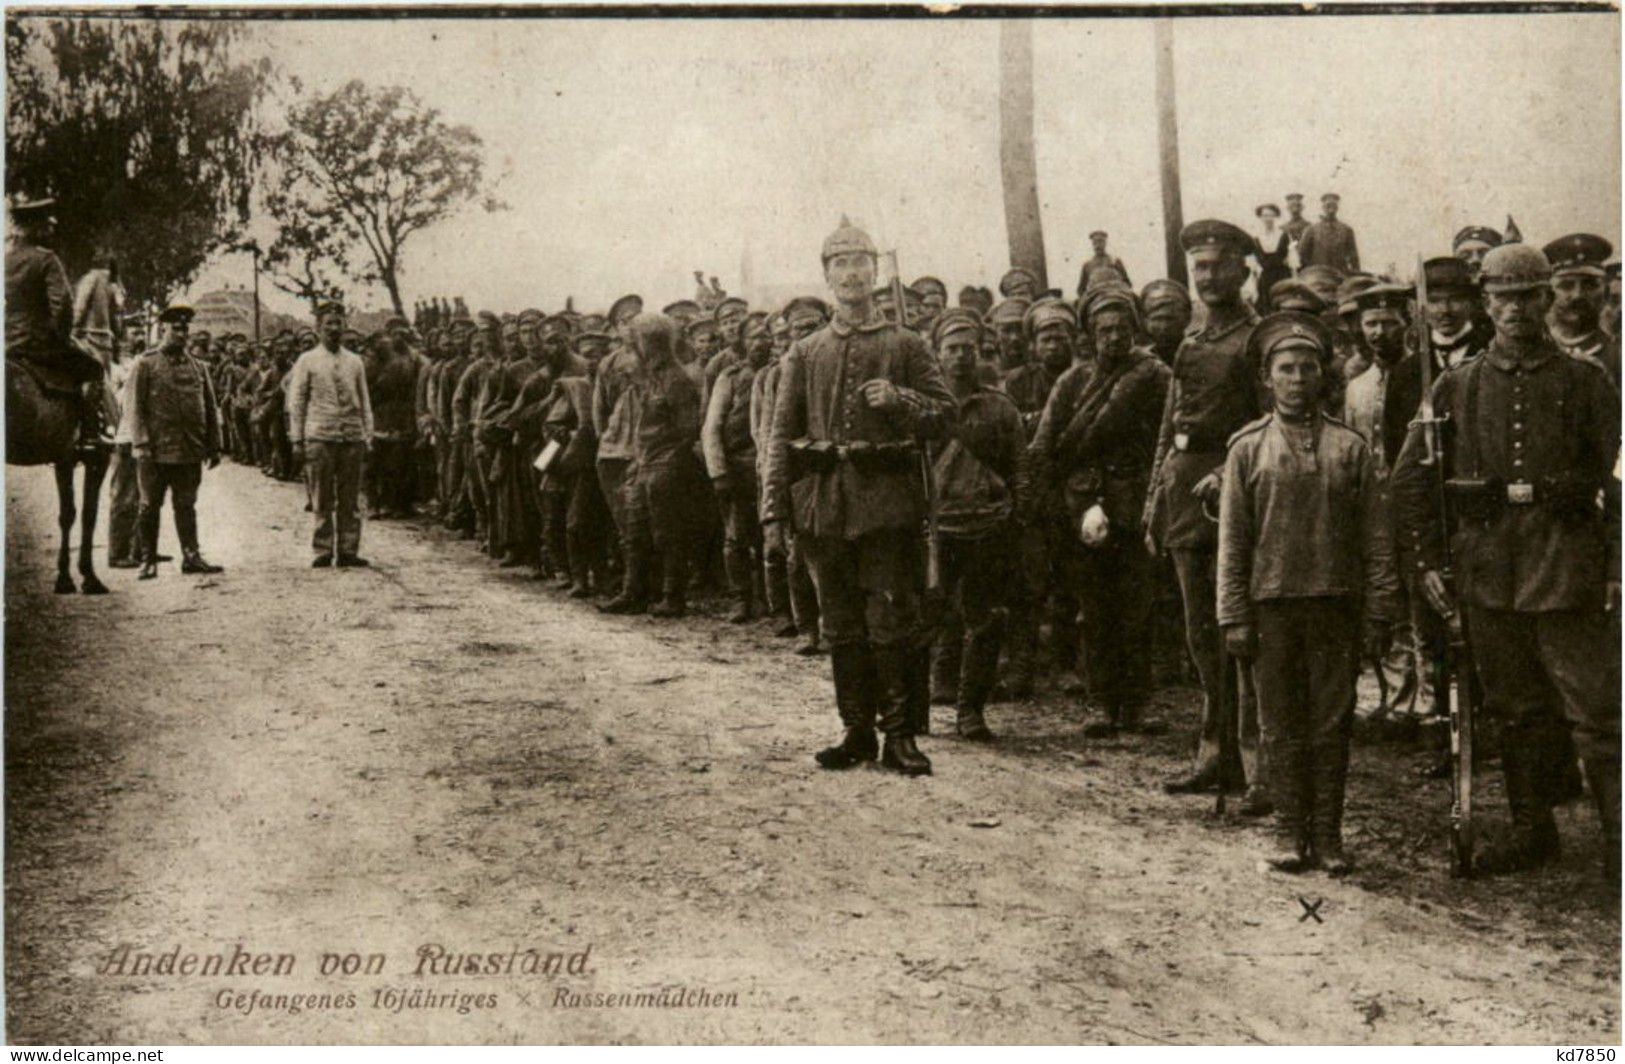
1350,357
530,344
1579,291
392,385
683,311
1382,315
1329,242
1100,259
854,400
1296,224
577,537
174,432
977,298
1293,294
331,425
977,471
1306,581
933,301
1472,243
731,463
1213,393
485,349
778,328
39,300
455,511
1611,302
1167,308
1093,449
702,342
791,596
1536,549
613,433
1019,282
1008,324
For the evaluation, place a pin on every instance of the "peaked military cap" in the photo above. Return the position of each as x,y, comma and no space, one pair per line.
1161,291
1099,234
1330,197
1514,268
1318,272
928,283
1293,294
1447,273
727,301
1013,277
802,306
1582,253
1110,298
683,310
976,297
958,319
557,323
1294,197
1288,329
488,320
1383,295
177,312
531,316
1009,310
1049,312
1212,233
847,239
625,307
1349,290
696,325
1482,234
1105,277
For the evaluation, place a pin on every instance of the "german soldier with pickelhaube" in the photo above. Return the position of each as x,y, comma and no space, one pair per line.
1535,549
1214,392
843,465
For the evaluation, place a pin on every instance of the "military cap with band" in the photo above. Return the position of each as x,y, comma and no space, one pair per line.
976,296
1009,310
1330,197
1105,277
1578,253
802,306
1098,234
1049,312
1161,291
1317,272
959,319
1287,330
557,323
727,301
1446,273
1212,233
1481,234
846,240
26,207
1014,276
1514,268
682,310
177,312
1383,295
928,283
1611,267
1292,294
1349,290
625,306
697,325
531,316
1294,197
1110,298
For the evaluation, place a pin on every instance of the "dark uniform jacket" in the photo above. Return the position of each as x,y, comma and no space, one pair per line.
392,384
978,469
819,402
1300,518
1329,243
465,397
569,419
1029,388
1214,392
1403,391
172,411
663,412
730,449
39,302
1541,438
609,420
1098,436
1599,347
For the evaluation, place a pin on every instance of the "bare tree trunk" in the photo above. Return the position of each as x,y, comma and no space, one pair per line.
1173,211
1017,158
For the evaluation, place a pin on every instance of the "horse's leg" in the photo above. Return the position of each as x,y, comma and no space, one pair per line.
95,474
64,522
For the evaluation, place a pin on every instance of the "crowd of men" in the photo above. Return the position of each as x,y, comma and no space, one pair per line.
949,498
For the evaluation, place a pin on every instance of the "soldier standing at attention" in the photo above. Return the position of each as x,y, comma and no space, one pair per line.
1536,553
1330,242
611,430
174,432
330,425
1099,259
730,460
843,468
1167,308
1214,393
1306,579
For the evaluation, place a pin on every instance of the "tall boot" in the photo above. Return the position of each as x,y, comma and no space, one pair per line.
580,565
776,588
976,678
1020,650
892,669
738,568
1289,851
1604,778
947,664
674,584
918,677
1330,769
1532,840
634,593
855,691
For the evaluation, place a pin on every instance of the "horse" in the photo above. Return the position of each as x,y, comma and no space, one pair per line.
46,421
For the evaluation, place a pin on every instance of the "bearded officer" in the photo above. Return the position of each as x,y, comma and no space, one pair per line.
1536,549
1213,394
843,467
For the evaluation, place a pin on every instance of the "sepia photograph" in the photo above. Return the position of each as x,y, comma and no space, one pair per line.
986,525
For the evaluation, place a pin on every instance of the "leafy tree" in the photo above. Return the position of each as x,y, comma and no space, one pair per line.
377,165
148,133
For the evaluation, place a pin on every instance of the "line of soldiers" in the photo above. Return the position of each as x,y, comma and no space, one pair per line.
1083,457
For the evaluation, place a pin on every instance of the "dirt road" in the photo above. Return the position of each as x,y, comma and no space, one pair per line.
434,752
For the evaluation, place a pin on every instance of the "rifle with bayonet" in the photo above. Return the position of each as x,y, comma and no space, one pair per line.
1452,678
933,536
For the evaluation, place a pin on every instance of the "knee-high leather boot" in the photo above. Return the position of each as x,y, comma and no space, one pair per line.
855,693
892,669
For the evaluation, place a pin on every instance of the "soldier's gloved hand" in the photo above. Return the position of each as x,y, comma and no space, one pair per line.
1240,641
882,395
1208,488
1374,638
773,538
1437,594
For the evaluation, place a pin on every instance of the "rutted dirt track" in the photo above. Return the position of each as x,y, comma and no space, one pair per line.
436,751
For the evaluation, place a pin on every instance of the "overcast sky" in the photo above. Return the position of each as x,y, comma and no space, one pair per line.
633,152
